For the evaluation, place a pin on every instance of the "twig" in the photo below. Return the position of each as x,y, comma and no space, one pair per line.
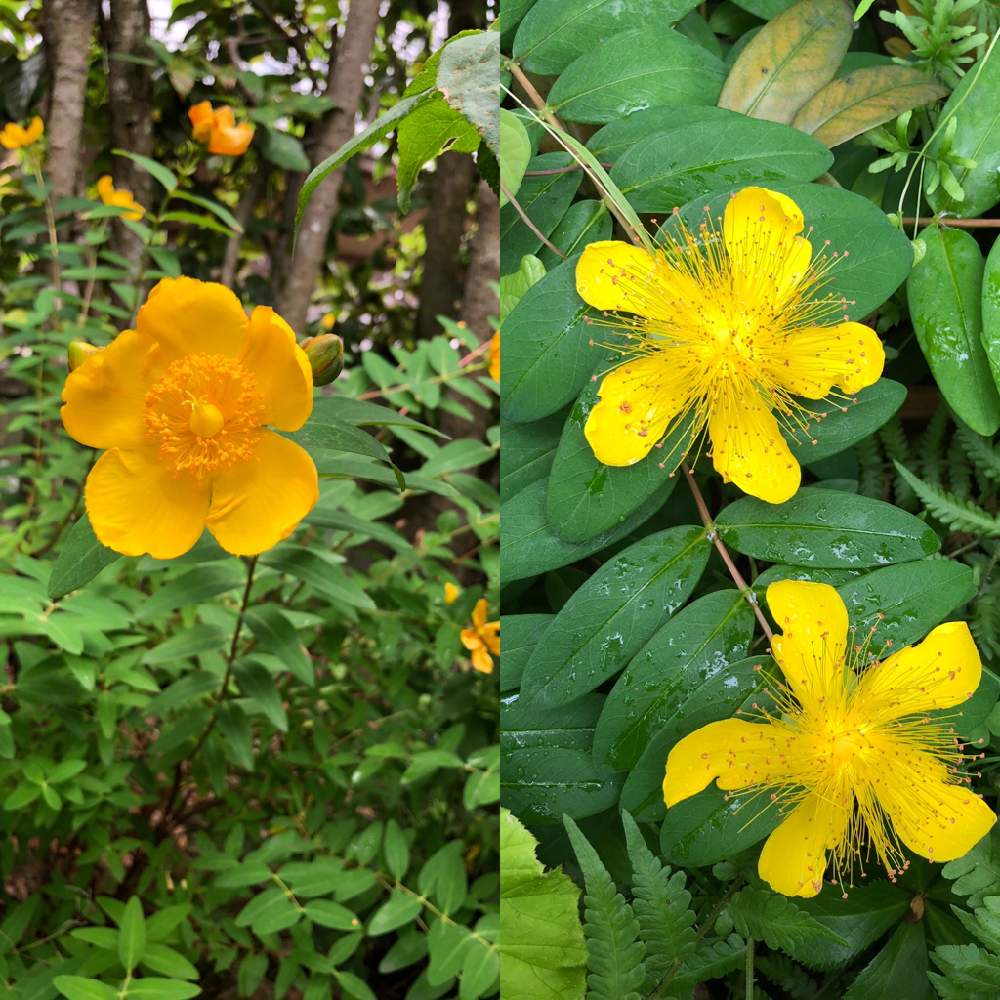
561,170
527,221
539,102
713,534
923,220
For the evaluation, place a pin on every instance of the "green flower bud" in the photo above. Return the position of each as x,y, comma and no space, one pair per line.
326,357
78,352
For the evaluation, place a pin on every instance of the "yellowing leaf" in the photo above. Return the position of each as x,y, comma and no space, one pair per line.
789,60
865,98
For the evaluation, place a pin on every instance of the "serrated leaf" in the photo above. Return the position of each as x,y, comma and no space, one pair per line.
770,917
959,515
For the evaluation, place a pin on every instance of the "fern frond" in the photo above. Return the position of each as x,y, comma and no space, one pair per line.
776,920
711,960
982,452
615,954
985,622
930,446
959,471
792,978
661,904
870,470
898,450
959,515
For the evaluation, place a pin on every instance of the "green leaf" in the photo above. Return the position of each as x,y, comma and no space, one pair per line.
548,767
541,941
603,625
362,413
284,150
615,952
671,168
672,685
587,497
192,642
959,515
81,557
521,633
276,634
614,140
132,934
528,452
515,149
197,585
469,78
531,545
975,107
326,913
79,988
220,211
976,874
544,197
442,877
862,99
943,293
161,989
157,170
990,306
789,60
662,906
770,917
514,285
268,912
321,572
554,33
257,684
546,355
586,221
826,528
400,908
842,423
168,962
899,969
634,70
196,219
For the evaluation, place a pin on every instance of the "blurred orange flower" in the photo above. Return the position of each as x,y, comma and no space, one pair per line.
121,197
451,592
217,129
494,368
13,136
482,638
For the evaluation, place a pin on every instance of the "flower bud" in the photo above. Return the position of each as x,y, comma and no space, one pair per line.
326,357
78,352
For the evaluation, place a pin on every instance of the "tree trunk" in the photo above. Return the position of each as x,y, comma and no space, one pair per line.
441,285
244,213
67,26
480,304
130,94
344,84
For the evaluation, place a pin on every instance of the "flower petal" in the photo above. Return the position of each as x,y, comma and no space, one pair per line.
479,612
482,661
936,819
942,671
793,858
749,450
258,503
135,506
231,140
614,275
103,398
810,362
201,117
638,400
737,754
34,131
281,368
188,316
470,638
813,641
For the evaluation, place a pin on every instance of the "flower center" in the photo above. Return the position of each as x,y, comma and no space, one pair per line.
204,415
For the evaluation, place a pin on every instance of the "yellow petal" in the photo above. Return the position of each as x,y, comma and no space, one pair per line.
258,503
105,187
103,398
942,671
135,506
34,131
936,819
479,612
813,641
281,368
469,637
810,362
793,859
737,754
482,661
451,592
187,316
638,400
749,450
619,276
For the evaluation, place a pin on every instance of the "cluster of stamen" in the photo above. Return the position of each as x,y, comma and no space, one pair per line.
204,415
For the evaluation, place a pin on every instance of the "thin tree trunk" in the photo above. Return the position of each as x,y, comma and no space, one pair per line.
480,304
345,82
130,93
441,285
67,27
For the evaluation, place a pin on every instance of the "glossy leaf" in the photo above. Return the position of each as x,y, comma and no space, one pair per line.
633,71
527,452
826,528
603,625
585,221
990,301
944,295
612,141
521,633
789,60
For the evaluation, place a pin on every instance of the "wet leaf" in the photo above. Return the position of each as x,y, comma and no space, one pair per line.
634,71
990,301
829,528
585,221
603,625
944,295
853,104
789,60
527,453
521,633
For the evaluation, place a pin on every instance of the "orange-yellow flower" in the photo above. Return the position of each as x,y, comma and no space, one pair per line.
217,129
13,136
329,321
725,332
182,405
482,638
851,755
494,367
451,592
120,197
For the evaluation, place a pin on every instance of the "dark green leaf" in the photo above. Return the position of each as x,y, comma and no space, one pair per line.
81,557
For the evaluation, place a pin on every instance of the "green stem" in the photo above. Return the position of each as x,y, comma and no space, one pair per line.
749,969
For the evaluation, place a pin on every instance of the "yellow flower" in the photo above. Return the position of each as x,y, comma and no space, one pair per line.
329,321
494,367
726,332
120,197
217,129
852,748
13,136
181,404
451,592
482,638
